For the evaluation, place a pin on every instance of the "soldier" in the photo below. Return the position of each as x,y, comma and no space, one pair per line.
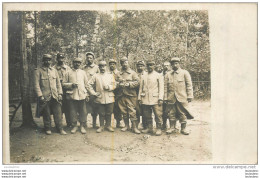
151,97
140,66
62,69
128,81
166,69
49,92
75,82
178,93
117,113
91,69
159,68
101,86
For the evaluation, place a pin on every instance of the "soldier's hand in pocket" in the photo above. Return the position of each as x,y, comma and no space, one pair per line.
160,102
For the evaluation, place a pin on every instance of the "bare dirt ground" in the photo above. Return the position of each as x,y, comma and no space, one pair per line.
34,146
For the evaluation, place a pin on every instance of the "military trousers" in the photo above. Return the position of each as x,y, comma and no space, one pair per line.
105,112
52,107
117,112
149,109
78,107
177,112
127,105
66,109
165,114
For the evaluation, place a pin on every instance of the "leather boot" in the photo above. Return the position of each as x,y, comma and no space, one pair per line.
126,120
74,130
158,131
101,128
172,127
183,129
83,130
62,132
149,129
134,127
94,120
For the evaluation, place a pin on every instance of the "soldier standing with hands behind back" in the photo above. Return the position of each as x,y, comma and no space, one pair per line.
49,91
178,92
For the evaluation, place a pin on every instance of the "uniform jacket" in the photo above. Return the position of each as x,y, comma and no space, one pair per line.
91,70
47,83
62,70
130,77
97,84
75,76
151,88
177,85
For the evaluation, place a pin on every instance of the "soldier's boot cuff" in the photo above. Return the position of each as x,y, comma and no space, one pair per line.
183,129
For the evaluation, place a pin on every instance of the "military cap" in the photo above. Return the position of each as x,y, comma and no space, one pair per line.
46,56
150,62
175,59
102,63
90,53
140,62
77,59
60,55
123,59
112,61
166,62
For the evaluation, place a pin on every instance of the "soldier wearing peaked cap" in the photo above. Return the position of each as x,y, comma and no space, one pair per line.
128,82
91,69
117,113
62,69
178,92
75,82
101,86
150,96
49,91
140,70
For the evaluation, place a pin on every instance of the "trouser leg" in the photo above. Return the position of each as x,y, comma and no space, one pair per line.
47,117
82,112
73,112
147,116
131,107
57,114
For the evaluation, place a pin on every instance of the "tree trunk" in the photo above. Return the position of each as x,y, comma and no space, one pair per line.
25,80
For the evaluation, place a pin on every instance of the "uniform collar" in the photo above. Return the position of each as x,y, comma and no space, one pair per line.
92,65
127,71
177,71
59,66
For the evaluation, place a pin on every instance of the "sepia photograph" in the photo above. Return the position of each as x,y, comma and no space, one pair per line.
113,86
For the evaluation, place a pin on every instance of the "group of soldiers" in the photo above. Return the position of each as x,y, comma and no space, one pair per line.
104,90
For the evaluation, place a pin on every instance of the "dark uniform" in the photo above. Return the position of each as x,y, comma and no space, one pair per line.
128,82
62,70
49,91
91,70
